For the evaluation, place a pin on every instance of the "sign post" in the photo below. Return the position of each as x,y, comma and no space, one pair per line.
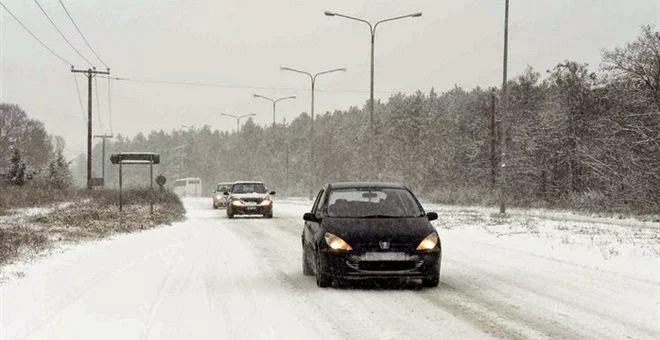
136,158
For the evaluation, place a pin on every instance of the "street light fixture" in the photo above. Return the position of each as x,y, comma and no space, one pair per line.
274,101
238,119
372,29
312,77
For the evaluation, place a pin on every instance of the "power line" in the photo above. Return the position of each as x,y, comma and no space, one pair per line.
34,36
78,29
60,32
188,83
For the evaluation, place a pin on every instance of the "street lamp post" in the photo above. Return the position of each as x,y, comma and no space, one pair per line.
372,30
180,149
238,127
238,119
312,77
274,101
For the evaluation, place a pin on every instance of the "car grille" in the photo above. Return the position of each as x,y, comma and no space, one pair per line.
386,265
393,246
257,200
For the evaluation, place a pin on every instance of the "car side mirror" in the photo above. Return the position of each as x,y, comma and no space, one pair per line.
310,217
226,193
272,193
432,216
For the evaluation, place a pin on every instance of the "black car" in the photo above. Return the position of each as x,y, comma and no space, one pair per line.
249,198
370,230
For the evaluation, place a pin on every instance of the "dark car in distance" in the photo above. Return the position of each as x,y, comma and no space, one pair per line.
369,230
249,198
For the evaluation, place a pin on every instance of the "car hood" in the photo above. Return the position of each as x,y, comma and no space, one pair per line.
368,230
249,196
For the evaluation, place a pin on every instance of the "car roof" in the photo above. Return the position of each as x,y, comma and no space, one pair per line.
247,182
342,185
225,183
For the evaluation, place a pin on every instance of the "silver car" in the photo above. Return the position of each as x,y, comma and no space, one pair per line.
219,198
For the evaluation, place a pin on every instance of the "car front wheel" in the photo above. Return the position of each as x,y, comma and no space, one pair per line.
307,269
323,280
431,282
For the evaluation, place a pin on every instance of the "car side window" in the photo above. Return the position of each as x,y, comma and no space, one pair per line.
316,201
320,208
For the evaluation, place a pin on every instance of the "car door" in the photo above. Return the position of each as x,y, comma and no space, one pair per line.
312,229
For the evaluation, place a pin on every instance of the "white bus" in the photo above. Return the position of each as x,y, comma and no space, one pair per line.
189,186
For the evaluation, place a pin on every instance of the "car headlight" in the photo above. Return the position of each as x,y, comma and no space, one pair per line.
336,243
265,202
217,197
237,203
429,242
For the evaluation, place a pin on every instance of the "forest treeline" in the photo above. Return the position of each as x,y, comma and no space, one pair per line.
571,136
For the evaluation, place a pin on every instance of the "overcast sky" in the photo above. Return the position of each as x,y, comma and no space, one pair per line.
242,43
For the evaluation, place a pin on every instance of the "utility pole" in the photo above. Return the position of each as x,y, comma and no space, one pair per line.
90,74
493,141
104,137
504,108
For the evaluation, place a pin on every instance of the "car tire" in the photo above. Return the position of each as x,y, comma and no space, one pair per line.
230,214
431,282
307,269
215,207
323,280
269,215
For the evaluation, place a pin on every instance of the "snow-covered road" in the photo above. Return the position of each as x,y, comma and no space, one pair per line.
209,277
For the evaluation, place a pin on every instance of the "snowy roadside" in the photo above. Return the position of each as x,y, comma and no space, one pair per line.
627,247
29,234
15,216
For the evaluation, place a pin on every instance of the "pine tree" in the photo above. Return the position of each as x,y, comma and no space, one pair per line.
17,170
59,176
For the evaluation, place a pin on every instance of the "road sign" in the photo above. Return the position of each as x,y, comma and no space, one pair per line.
122,158
135,158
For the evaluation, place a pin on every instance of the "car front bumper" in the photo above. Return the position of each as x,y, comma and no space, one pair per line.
250,209
220,203
361,266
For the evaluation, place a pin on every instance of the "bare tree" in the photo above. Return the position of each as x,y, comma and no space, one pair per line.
637,64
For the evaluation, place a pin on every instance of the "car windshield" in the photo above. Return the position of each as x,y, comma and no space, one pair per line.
372,202
248,188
